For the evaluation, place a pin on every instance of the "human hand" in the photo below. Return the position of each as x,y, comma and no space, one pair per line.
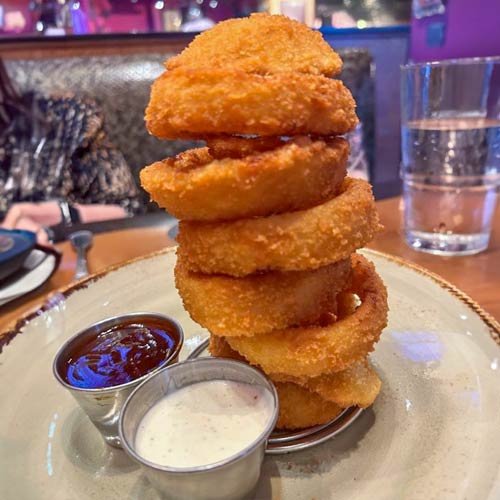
33,217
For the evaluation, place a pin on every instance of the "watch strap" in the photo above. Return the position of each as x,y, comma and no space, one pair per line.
69,214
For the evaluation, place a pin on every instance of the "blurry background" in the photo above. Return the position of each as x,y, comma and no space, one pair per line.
144,16
111,50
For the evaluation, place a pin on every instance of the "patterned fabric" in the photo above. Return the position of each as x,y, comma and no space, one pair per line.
121,85
60,151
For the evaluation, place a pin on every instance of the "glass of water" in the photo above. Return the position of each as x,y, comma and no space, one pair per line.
450,144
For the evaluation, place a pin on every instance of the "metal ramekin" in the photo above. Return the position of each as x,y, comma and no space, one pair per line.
231,478
103,406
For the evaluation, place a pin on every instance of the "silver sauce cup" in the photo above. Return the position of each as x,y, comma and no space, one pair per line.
232,478
103,405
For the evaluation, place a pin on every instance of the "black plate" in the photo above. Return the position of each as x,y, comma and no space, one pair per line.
15,246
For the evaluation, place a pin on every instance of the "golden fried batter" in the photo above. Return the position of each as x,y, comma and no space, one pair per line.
357,385
234,146
298,174
260,303
261,44
307,352
189,103
219,348
306,239
300,408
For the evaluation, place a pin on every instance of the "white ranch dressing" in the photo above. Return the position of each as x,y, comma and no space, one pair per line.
203,423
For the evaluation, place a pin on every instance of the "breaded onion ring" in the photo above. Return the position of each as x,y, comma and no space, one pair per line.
299,174
261,44
316,350
233,146
260,303
188,103
219,348
357,385
300,408
305,239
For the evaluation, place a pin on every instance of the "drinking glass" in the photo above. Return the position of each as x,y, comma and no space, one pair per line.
450,130
294,9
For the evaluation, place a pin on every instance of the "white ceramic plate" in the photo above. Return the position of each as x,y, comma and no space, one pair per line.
433,433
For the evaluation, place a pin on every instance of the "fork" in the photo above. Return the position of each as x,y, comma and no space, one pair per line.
81,242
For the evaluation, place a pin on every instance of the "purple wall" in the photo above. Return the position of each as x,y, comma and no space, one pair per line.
469,28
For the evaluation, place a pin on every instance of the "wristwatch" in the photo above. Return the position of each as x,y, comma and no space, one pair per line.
69,214
69,217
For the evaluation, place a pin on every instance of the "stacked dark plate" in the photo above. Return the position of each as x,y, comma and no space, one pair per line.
24,265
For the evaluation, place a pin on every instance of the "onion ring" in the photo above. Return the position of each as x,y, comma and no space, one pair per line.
300,408
299,174
219,348
358,385
294,241
233,146
189,103
316,350
260,44
260,303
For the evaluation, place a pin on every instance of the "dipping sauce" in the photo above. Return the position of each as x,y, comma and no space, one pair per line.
119,354
203,423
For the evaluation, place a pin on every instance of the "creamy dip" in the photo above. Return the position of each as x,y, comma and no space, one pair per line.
203,423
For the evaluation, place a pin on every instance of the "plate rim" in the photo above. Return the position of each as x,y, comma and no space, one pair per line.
16,326
50,252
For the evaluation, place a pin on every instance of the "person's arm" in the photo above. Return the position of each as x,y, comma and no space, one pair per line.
94,212
37,217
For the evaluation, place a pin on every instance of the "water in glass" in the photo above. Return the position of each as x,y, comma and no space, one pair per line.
450,175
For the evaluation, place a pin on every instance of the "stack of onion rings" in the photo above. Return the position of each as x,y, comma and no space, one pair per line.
269,223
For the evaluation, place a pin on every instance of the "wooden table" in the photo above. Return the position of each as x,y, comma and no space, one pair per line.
477,275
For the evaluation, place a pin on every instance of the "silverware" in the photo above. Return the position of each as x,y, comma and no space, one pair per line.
81,242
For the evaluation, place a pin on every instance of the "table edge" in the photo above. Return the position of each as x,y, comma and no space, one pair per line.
54,297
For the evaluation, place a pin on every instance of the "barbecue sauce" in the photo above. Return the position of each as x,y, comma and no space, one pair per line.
120,354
